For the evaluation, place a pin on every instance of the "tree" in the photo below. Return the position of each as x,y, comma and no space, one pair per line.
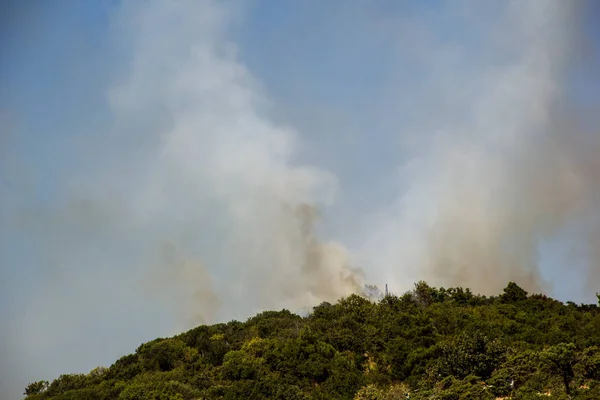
65,383
590,362
238,365
460,295
423,293
164,355
561,358
513,293
470,354
36,388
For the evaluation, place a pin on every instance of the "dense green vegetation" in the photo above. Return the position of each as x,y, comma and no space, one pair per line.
427,344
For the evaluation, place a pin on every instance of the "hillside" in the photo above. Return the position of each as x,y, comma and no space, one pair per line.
427,344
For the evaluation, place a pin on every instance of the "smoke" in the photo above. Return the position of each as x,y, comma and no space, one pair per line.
175,273
226,211
510,172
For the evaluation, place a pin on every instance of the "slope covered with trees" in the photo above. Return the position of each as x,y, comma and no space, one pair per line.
429,343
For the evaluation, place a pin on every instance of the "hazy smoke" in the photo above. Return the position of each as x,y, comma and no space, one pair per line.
175,273
215,147
506,170
204,200
325,269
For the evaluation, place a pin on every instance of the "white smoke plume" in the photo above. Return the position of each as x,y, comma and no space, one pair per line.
504,170
209,145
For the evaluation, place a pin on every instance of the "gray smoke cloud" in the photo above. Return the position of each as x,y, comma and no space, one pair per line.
505,169
210,156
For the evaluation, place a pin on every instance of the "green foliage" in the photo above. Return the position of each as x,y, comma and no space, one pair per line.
369,392
164,355
66,383
590,363
36,388
239,365
470,354
513,293
430,343
148,388
561,359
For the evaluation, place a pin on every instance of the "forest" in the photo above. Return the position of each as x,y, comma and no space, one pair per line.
429,343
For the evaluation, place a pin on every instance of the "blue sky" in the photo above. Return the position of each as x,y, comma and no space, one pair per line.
148,154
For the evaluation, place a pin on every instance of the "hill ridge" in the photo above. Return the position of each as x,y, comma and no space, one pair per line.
427,343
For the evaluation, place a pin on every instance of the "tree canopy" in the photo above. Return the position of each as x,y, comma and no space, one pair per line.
430,343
